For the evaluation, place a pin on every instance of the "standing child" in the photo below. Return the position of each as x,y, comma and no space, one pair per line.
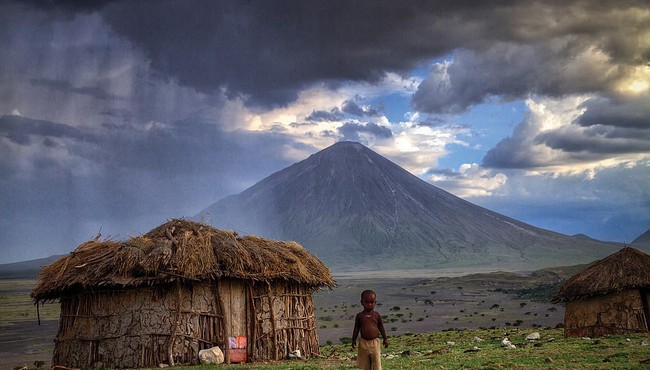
370,324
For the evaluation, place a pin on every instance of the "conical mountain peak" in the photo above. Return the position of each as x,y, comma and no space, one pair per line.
355,209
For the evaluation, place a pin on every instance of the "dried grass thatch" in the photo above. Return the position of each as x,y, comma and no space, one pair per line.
628,268
179,250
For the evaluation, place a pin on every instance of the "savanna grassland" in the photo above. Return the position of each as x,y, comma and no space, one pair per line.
432,322
22,339
426,304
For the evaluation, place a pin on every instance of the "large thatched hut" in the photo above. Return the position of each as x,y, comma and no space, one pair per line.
161,297
611,296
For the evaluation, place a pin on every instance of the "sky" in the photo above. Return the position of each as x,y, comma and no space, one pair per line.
116,116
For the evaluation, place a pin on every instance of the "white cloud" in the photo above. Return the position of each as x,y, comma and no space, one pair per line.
550,142
471,180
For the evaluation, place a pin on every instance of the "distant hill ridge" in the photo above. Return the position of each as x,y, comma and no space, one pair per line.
25,269
357,210
643,240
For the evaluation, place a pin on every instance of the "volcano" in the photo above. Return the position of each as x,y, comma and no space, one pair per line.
357,210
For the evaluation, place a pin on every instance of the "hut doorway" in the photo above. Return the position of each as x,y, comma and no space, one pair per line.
234,300
236,308
645,299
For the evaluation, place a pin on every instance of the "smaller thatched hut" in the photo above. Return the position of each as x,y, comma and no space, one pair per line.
611,296
161,297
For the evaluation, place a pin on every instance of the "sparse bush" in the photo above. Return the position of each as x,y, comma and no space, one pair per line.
345,340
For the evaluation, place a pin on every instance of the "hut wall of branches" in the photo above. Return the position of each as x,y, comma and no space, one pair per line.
145,302
609,297
615,313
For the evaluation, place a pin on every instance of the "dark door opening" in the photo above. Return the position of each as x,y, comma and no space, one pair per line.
645,297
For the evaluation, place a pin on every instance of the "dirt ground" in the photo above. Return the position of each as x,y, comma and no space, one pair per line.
429,304
25,342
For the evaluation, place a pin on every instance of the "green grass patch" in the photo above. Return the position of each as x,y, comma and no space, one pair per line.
454,349
16,306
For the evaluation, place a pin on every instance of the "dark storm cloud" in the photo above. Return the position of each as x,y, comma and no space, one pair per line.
335,114
351,107
597,141
511,71
631,113
121,114
20,129
267,51
67,5
270,50
65,87
509,153
332,115
351,131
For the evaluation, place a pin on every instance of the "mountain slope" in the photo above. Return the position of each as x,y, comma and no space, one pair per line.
642,240
25,269
357,210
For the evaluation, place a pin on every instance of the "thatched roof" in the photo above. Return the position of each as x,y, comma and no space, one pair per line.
628,268
179,250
